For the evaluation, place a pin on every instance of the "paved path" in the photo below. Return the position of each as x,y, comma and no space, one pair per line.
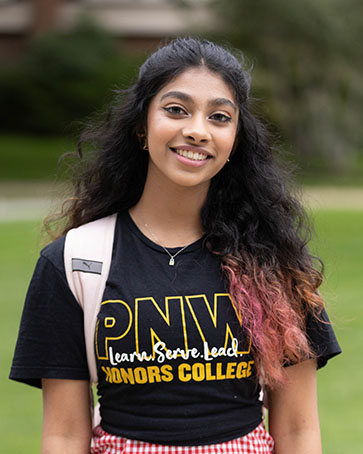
334,198
28,201
33,201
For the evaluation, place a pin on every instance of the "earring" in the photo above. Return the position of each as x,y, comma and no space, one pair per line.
144,145
228,160
143,141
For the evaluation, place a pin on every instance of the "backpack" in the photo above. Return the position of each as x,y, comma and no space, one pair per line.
87,261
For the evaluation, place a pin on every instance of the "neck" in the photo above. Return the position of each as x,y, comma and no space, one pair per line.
171,213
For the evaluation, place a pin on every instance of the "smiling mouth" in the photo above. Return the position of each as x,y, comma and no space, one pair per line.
190,154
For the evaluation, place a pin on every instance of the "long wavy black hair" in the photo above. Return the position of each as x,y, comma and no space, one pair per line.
250,219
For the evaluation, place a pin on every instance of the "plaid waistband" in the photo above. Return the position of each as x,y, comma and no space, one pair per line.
259,441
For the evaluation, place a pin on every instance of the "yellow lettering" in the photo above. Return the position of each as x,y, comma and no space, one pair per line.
219,374
209,375
107,371
116,377
241,369
249,371
198,372
146,337
230,372
154,374
110,322
183,376
166,371
140,375
127,376
229,338
116,329
215,315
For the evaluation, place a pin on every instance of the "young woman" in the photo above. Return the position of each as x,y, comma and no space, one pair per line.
211,290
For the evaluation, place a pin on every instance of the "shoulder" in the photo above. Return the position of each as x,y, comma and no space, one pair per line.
90,238
322,337
54,254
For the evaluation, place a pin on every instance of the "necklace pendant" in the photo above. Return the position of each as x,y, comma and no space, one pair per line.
171,261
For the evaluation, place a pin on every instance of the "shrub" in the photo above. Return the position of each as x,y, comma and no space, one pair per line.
63,77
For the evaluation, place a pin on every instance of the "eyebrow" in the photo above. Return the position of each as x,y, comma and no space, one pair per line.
186,98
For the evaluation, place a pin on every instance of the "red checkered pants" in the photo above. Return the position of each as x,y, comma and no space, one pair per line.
256,442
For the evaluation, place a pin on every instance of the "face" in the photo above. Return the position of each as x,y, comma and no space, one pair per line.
191,128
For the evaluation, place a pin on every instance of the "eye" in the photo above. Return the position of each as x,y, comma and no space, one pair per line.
175,110
220,117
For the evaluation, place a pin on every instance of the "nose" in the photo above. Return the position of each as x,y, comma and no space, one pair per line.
196,130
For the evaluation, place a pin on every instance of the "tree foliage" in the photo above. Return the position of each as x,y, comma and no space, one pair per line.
307,64
63,77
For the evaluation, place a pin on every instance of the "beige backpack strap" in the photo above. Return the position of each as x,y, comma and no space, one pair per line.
87,259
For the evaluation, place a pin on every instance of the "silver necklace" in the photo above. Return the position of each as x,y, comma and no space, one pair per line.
172,257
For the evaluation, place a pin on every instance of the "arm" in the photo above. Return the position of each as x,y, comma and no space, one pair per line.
293,412
66,417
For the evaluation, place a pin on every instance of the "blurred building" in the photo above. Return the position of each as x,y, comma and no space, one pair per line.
138,23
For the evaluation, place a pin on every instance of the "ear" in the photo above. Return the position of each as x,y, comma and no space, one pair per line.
142,138
141,135
141,131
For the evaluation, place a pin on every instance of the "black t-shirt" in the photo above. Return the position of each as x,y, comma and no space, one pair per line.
174,366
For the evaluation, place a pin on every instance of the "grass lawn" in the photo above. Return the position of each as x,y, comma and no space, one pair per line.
21,405
339,241
31,157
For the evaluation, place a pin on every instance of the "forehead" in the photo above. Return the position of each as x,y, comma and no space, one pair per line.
199,83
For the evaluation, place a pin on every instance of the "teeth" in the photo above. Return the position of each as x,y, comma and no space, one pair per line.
191,155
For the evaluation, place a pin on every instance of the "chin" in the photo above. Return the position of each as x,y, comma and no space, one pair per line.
190,181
